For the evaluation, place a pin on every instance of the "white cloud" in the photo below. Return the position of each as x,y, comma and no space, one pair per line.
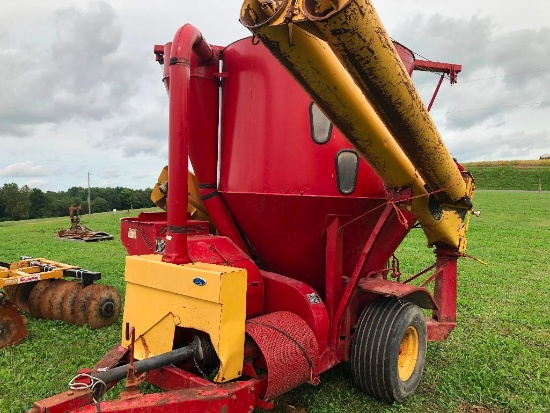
24,169
37,183
84,73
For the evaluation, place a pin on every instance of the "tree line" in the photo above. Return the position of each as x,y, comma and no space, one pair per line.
18,203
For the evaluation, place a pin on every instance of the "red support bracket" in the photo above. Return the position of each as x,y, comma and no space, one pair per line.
333,264
443,320
450,69
343,305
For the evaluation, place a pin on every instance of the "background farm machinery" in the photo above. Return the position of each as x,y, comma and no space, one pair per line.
312,165
40,287
80,232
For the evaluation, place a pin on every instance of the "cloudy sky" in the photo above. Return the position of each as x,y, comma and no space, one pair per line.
81,92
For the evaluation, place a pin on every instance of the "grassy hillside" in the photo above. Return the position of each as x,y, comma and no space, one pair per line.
497,360
511,175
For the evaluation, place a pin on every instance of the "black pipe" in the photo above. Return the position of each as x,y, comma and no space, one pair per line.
184,353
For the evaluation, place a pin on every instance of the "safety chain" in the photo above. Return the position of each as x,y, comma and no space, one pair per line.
96,385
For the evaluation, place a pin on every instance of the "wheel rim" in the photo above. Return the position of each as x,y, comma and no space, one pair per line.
408,353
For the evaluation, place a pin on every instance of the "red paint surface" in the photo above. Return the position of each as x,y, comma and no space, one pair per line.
280,185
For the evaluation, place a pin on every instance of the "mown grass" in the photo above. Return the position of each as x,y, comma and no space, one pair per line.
529,175
496,360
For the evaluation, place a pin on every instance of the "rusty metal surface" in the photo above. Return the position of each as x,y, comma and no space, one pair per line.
111,358
57,298
67,306
417,295
381,75
438,331
318,70
45,306
236,397
21,296
12,325
81,301
330,71
103,307
173,378
79,231
65,402
35,298
10,290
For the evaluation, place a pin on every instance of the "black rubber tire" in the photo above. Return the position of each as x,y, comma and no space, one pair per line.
376,348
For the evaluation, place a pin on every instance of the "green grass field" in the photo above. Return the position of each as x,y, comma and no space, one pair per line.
496,360
512,175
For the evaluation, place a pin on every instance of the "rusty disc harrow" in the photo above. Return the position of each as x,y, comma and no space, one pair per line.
12,325
103,307
10,290
21,296
67,307
46,298
57,299
81,302
35,298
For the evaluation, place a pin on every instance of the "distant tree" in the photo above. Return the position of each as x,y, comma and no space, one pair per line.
2,206
77,192
23,203
100,205
129,198
111,196
144,198
39,204
16,201
60,203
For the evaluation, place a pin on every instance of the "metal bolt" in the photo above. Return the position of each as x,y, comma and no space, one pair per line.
107,309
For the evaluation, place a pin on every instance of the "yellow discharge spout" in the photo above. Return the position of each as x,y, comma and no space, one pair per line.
355,33
313,64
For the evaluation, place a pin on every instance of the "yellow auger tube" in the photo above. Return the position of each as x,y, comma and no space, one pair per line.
337,95
313,64
356,35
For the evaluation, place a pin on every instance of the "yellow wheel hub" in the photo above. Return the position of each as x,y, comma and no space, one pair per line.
408,353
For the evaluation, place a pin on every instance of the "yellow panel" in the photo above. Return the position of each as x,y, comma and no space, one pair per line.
195,205
158,196
161,296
